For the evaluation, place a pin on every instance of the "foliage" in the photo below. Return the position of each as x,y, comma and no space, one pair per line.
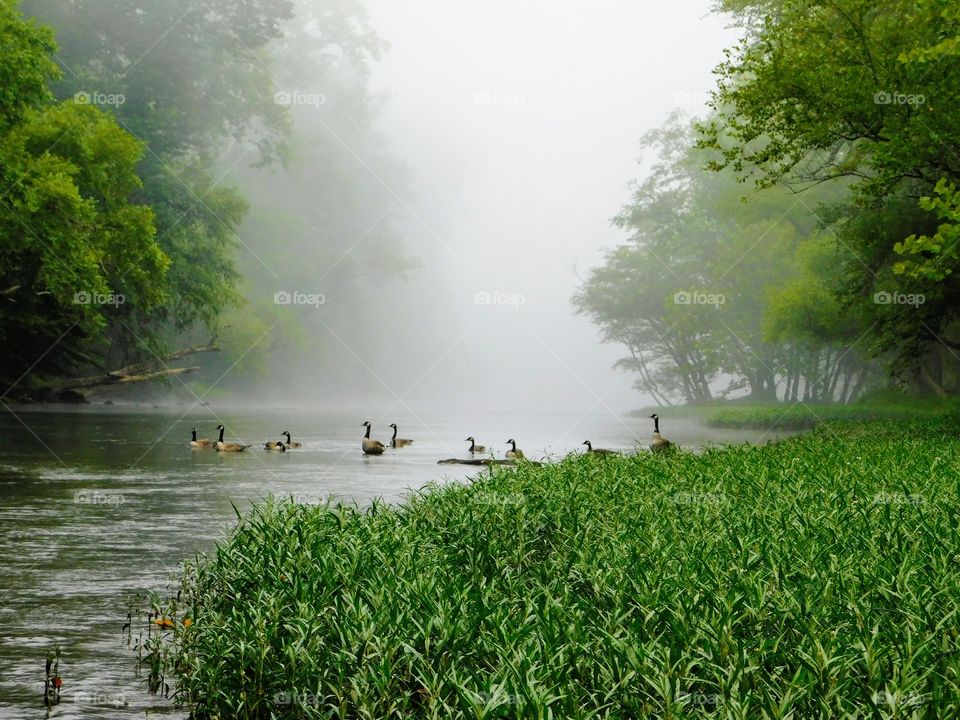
74,249
811,578
862,90
693,239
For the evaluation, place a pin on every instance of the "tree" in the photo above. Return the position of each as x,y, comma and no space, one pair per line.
862,90
74,248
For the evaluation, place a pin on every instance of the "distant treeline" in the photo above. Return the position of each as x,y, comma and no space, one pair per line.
803,239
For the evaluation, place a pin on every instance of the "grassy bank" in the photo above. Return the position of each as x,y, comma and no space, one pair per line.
819,577
805,416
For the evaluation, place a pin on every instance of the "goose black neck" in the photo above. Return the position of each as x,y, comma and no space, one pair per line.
656,424
221,435
288,437
473,444
193,434
367,435
394,433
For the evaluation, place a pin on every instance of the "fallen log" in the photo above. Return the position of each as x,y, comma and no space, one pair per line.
113,379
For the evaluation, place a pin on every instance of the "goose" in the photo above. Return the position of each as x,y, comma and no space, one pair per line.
598,451
228,447
658,443
396,442
291,443
371,447
201,442
474,448
513,453
278,445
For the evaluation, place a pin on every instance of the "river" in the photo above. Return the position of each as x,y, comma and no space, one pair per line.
98,503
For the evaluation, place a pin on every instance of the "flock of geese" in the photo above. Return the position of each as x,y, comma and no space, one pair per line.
375,447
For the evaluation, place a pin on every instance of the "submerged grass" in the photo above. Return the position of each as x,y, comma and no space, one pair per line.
819,577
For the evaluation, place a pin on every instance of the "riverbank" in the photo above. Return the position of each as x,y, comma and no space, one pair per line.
806,415
818,575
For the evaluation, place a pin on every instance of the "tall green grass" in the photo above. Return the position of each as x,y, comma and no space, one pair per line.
819,577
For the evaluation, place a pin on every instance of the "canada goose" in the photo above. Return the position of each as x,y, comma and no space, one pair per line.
513,453
201,442
474,448
398,442
598,451
291,443
228,447
278,445
658,443
371,447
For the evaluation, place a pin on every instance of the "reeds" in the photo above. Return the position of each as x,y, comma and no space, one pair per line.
819,577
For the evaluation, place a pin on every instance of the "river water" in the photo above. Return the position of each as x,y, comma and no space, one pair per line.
98,503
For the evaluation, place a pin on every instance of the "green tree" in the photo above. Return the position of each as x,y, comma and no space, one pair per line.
74,250
863,90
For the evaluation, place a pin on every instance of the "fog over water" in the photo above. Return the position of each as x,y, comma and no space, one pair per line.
519,127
